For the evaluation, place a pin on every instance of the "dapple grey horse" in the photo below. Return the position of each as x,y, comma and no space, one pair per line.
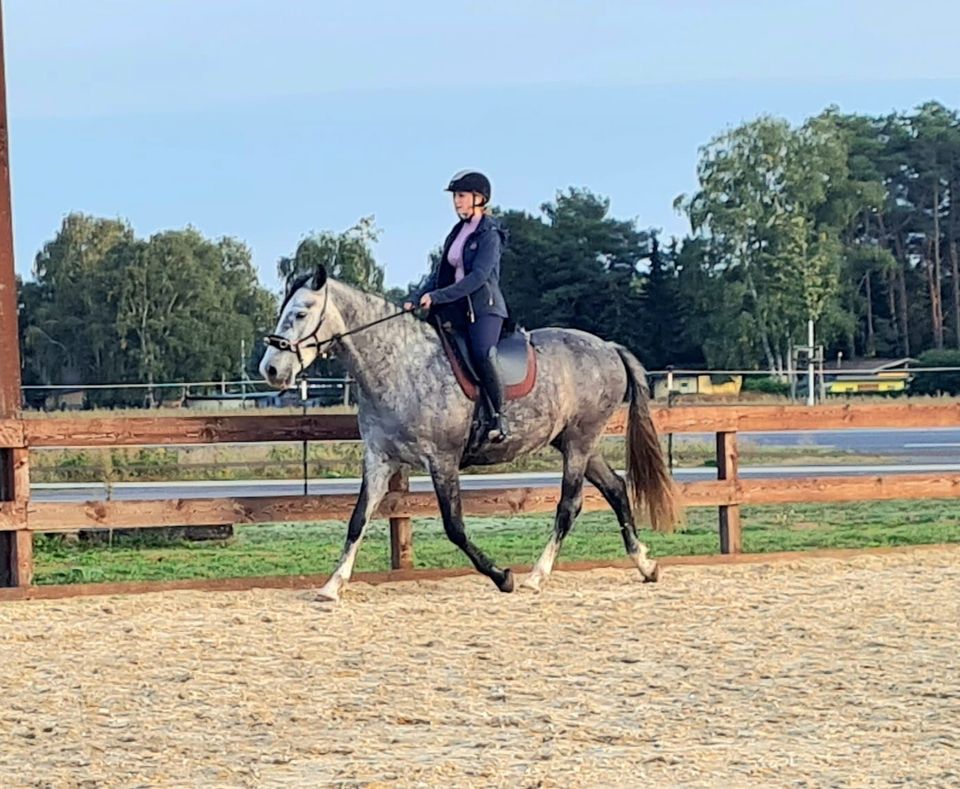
412,413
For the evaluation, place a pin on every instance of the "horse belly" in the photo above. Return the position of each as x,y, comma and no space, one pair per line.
531,427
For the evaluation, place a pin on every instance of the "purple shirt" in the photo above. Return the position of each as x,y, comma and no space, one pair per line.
455,255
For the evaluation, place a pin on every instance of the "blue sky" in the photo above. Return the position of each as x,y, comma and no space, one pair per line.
268,120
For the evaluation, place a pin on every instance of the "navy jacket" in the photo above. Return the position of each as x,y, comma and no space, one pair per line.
480,287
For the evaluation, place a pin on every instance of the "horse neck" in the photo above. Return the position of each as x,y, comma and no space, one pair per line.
381,354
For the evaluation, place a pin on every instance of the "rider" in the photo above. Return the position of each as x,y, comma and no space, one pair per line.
465,284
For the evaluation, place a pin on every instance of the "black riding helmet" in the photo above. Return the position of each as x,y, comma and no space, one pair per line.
470,181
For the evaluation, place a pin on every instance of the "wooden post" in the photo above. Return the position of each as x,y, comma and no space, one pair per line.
22,563
16,547
7,538
728,465
9,335
401,530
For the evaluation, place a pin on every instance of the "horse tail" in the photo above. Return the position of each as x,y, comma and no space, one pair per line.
648,479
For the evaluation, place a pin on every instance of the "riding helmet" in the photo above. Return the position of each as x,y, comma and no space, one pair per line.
470,181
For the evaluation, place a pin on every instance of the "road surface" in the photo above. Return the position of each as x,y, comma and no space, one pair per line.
909,445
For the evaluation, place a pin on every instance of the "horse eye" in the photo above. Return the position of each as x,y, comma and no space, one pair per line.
301,315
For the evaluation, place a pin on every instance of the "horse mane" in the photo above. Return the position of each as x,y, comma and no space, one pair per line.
510,324
302,279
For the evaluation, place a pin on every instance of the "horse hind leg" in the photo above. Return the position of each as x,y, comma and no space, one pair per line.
571,503
446,482
601,475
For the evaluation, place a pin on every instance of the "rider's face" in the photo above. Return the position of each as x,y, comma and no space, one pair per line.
463,203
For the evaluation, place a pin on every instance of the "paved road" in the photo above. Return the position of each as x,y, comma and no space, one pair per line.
927,445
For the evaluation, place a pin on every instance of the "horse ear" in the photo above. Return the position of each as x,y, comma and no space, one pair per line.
319,277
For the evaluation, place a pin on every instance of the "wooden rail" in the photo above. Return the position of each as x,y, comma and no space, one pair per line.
22,518
266,428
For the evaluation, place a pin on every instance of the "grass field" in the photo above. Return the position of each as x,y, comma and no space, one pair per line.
295,549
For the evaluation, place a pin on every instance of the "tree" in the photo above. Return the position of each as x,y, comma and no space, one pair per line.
664,316
718,327
348,256
770,207
107,307
184,303
868,267
938,383
68,334
933,130
576,266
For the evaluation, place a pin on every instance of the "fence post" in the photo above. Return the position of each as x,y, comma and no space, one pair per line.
23,549
16,547
728,466
401,529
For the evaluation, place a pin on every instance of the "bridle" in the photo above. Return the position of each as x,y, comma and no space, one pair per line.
293,346
281,343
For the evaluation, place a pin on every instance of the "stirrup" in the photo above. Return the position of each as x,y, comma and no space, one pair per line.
497,432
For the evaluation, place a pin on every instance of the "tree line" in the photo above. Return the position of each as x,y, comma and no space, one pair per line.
848,220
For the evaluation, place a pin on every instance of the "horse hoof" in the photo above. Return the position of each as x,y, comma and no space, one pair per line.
531,584
507,584
653,577
327,596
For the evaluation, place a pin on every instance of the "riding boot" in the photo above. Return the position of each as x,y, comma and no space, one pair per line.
493,388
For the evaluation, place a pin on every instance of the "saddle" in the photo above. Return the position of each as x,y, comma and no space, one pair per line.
516,359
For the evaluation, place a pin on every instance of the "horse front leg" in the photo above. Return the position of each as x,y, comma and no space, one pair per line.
377,470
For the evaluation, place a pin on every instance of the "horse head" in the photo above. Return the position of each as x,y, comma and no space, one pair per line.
308,321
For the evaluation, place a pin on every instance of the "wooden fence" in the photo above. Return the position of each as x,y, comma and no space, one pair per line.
21,518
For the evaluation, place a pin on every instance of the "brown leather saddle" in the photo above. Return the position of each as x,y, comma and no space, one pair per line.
516,358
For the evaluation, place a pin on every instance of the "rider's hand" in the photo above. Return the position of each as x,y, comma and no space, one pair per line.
407,306
425,301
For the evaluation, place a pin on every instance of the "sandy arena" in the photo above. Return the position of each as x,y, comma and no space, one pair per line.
817,672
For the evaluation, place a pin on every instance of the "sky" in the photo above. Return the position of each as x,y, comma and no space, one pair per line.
267,120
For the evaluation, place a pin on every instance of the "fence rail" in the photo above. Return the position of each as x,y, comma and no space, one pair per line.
45,431
728,492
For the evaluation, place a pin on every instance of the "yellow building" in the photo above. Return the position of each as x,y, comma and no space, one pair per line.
867,376
699,384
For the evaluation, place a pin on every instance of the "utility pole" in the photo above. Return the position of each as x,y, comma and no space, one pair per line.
16,545
243,372
9,332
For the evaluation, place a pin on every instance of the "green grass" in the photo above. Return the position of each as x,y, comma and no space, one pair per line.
295,549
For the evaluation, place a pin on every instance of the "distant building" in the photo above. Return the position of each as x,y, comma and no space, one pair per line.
64,400
230,401
867,376
698,384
